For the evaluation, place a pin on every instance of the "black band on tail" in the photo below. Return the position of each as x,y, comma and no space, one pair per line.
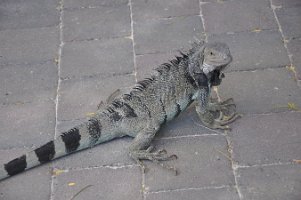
46,152
71,140
16,166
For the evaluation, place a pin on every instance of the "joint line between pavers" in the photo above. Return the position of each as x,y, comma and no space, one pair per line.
114,167
136,80
233,166
59,61
255,70
97,75
191,189
97,39
273,7
271,113
189,136
132,38
265,165
203,20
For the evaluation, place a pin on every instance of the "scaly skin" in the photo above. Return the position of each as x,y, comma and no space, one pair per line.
140,113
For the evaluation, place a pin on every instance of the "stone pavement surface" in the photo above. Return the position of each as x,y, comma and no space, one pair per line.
60,58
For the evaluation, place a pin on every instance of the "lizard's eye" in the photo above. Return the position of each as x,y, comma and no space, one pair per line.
211,53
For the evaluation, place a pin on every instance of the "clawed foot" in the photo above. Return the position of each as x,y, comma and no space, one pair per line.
154,156
219,114
223,121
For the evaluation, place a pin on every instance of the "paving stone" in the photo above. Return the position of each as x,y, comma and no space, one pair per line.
28,45
21,186
252,50
99,22
294,47
261,91
37,81
79,97
109,57
111,153
272,182
204,194
71,4
28,14
290,21
200,164
145,10
106,183
26,124
146,63
266,139
237,16
166,35
286,3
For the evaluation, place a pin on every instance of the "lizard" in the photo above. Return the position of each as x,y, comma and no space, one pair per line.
140,113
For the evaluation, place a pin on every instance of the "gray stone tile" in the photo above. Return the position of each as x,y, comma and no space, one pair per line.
294,47
145,10
237,16
290,21
107,57
261,91
99,23
111,153
28,14
147,62
38,81
28,45
204,194
166,35
106,183
266,139
200,164
71,4
79,97
286,3
21,186
27,124
252,50
272,182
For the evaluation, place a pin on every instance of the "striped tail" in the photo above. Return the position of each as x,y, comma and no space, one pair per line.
81,137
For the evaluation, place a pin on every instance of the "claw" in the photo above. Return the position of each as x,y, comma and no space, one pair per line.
156,157
229,119
222,106
173,157
162,151
220,126
227,101
150,148
173,169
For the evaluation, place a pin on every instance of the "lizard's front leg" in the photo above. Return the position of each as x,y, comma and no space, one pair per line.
140,149
205,110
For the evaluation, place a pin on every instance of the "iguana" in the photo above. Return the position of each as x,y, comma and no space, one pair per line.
140,113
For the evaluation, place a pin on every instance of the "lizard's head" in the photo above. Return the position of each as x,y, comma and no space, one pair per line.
208,61
216,57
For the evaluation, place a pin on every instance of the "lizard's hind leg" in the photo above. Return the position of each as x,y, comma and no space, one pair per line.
140,149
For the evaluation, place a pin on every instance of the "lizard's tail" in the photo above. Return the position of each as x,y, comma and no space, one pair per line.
78,138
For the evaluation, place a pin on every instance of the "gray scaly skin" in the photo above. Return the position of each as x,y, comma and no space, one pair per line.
141,112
